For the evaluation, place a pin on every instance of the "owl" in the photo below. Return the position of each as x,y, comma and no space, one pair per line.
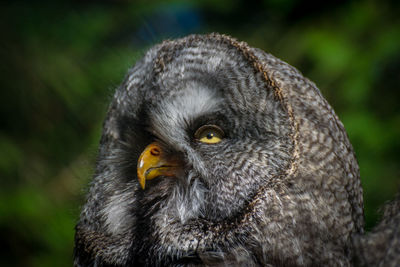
216,153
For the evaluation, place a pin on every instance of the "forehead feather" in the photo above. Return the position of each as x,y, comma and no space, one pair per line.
172,115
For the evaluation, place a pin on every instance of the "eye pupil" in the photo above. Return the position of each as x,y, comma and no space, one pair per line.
210,135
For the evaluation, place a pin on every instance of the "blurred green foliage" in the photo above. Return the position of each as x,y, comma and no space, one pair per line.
60,63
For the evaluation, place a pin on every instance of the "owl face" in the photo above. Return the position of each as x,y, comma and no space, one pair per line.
213,152
217,135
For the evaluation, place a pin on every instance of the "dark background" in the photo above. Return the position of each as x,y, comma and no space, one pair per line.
61,61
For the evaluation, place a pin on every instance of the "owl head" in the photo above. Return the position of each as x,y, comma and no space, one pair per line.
215,152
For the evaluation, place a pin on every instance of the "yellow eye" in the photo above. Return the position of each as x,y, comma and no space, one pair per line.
209,134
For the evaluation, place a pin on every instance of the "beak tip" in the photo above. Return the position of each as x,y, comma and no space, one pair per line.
142,182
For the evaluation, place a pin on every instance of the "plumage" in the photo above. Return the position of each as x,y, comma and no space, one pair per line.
271,179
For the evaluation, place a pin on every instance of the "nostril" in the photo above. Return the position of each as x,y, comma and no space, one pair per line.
155,151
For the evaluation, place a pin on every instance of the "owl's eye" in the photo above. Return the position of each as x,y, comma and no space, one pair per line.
209,134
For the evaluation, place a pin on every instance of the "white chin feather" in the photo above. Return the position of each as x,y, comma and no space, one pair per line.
189,201
117,212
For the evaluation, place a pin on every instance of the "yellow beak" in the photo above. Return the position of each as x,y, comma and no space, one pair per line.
153,163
